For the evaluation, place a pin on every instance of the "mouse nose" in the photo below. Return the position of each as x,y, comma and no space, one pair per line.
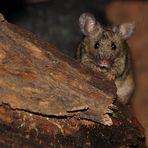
103,63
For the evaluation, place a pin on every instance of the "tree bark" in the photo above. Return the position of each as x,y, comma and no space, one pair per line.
48,99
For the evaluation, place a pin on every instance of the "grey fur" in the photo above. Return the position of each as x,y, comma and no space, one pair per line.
111,55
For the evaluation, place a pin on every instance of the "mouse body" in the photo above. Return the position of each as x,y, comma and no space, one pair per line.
105,49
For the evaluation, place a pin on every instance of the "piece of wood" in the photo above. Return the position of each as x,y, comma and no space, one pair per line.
48,99
35,77
20,128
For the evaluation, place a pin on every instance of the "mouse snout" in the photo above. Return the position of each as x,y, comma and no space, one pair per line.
103,63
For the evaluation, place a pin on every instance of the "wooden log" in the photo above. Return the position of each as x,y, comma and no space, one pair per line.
36,77
48,99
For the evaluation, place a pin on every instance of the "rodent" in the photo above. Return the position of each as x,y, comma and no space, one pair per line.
105,49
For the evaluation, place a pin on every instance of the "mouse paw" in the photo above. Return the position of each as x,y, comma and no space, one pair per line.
110,76
97,69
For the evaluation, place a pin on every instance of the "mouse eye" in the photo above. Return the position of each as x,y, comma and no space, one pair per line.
97,45
113,45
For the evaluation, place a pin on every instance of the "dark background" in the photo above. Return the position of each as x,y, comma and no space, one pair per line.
53,20
57,22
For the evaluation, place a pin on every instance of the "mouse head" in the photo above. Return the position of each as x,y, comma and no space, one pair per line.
104,45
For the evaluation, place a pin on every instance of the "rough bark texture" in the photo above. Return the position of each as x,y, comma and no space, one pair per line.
47,99
36,77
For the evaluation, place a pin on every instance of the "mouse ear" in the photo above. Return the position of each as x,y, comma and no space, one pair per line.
87,23
126,30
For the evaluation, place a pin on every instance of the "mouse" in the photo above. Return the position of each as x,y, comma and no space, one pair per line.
105,49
